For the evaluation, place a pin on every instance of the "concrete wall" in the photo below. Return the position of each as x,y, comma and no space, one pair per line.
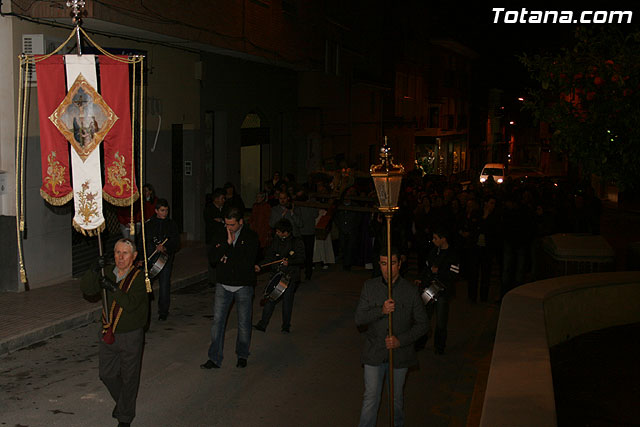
587,307
47,237
232,88
534,317
7,114
9,276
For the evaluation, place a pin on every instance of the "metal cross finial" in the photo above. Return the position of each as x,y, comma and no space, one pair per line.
77,5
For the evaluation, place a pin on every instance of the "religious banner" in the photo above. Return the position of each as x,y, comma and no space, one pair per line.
84,118
54,149
83,100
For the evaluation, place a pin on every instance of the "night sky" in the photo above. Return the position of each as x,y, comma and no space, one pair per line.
498,44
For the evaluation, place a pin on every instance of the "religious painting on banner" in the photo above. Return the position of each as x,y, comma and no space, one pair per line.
83,117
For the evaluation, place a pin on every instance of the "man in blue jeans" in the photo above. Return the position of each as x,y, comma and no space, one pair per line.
409,323
234,251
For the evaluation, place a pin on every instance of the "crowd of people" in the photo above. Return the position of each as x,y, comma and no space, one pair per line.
493,227
452,230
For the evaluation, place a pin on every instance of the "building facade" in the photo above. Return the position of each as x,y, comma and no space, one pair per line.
235,91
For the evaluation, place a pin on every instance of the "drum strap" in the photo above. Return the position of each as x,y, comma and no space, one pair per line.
108,329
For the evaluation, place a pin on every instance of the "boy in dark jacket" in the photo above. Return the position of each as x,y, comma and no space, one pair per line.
163,238
291,249
442,265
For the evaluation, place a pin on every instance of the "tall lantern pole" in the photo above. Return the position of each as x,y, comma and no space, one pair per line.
387,178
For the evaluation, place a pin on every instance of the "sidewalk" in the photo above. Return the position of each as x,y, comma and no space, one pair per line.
33,316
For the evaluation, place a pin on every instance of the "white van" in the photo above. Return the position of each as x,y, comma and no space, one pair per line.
497,170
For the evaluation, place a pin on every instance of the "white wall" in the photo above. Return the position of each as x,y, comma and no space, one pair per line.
8,103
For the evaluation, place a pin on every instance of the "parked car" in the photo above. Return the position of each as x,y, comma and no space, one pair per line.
497,170
525,173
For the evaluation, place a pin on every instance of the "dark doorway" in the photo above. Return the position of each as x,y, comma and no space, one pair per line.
176,175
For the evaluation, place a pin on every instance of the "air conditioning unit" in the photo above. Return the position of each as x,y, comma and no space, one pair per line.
36,44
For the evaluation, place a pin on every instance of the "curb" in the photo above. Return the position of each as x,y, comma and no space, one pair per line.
76,320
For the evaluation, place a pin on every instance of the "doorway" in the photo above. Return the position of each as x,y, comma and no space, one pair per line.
177,175
254,143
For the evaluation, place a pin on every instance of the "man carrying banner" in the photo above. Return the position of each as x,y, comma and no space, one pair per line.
120,349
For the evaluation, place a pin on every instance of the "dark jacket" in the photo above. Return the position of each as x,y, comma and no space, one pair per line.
155,231
293,215
234,202
409,321
134,303
282,249
235,264
211,213
448,264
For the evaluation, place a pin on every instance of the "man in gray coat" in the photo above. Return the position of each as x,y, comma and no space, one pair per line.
409,323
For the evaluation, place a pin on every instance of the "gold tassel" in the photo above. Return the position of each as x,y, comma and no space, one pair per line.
23,275
132,229
22,224
148,283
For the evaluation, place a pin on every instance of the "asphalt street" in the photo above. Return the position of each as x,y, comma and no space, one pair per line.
310,377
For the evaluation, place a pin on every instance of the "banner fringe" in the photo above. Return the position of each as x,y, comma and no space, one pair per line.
120,202
56,201
92,232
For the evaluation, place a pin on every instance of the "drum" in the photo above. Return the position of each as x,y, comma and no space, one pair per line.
158,264
276,286
432,292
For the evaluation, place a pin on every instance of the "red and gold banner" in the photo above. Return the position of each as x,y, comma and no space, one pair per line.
54,149
120,185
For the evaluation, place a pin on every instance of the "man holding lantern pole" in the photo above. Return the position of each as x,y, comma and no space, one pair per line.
409,323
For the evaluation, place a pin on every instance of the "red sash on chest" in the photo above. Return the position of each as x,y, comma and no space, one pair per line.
115,312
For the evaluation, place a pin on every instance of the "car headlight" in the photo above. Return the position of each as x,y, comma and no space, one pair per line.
483,179
500,180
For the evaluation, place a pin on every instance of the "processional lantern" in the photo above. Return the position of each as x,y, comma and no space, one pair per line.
387,178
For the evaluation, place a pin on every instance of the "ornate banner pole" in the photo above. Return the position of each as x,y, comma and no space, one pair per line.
387,178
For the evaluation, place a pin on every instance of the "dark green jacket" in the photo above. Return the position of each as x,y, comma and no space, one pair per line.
134,303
